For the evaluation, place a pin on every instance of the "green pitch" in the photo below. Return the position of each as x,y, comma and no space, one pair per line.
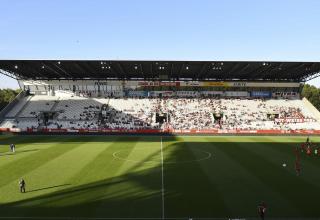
138,177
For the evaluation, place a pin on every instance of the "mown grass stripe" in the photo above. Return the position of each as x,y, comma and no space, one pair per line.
107,187
137,187
276,180
22,142
104,196
18,168
236,182
21,152
41,181
284,153
187,184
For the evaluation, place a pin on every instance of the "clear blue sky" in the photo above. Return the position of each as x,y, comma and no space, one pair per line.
281,30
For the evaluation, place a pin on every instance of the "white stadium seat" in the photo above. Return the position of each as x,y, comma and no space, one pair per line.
75,112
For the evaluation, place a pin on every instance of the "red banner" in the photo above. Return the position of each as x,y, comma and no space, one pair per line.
158,83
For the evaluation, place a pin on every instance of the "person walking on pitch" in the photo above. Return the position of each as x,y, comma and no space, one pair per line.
12,148
22,185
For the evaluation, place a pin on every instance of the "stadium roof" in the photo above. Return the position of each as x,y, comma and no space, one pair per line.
160,70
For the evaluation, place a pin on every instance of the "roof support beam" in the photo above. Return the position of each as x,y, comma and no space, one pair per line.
11,75
122,72
203,68
54,71
311,76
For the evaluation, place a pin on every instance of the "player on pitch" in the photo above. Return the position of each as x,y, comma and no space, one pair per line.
262,208
297,162
22,185
12,148
298,167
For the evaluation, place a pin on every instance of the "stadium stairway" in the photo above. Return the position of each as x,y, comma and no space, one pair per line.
21,105
55,104
25,105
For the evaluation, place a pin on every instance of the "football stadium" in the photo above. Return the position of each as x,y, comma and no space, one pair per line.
125,139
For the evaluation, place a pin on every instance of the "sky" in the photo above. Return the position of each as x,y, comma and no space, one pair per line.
250,30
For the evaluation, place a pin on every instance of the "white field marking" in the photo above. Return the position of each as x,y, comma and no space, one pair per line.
99,218
84,218
116,156
136,218
162,172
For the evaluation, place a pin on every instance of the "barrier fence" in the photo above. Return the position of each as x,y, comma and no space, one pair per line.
158,131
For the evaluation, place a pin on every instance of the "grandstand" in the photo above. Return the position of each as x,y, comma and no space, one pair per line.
160,97
165,175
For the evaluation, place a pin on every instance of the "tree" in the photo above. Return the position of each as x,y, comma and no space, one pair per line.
6,96
312,93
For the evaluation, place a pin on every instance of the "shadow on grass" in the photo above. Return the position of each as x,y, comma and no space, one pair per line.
193,189
49,187
114,197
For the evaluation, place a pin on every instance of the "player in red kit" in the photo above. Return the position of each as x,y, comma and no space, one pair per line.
308,150
297,162
298,167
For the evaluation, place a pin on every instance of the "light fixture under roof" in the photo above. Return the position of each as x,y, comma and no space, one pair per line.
217,68
16,66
